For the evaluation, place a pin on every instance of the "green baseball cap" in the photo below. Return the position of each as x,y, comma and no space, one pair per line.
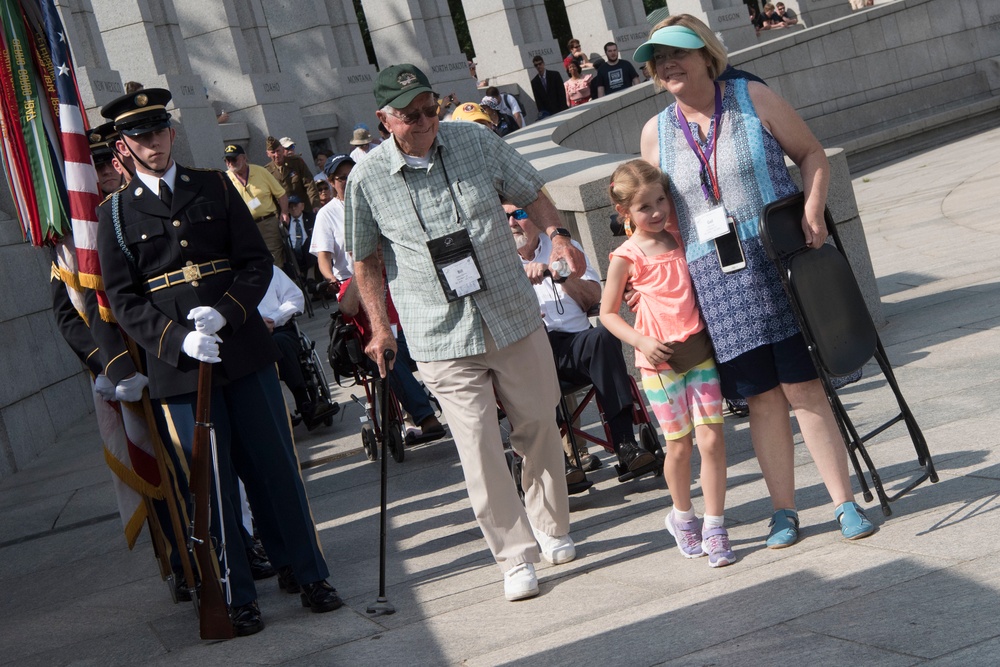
396,86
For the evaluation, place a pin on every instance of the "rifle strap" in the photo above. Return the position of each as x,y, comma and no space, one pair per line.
222,522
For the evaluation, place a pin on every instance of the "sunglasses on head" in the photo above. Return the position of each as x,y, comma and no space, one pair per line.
414,117
518,214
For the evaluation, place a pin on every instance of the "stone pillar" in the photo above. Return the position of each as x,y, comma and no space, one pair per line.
45,388
508,35
230,49
421,32
728,18
319,47
98,83
597,22
144,43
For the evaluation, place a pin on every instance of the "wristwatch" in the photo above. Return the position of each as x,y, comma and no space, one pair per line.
560,231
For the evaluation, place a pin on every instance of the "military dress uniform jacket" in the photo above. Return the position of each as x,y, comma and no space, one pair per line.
207,222
98,344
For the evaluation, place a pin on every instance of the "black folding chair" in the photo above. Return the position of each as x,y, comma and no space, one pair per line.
838,330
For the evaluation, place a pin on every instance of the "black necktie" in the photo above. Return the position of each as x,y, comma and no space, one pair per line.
166,196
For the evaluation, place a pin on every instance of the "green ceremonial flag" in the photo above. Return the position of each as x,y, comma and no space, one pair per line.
29,101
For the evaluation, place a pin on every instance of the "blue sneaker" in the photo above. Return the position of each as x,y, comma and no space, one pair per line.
784,529
853,523
687,534
715,542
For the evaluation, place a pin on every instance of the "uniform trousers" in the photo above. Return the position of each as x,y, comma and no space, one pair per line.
270,228
522,375
254,441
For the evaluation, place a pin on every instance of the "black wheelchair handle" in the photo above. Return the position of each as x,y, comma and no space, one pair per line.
388,355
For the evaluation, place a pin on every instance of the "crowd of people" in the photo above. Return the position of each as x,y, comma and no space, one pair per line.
443,231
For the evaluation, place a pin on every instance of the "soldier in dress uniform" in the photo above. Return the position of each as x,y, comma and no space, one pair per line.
184,268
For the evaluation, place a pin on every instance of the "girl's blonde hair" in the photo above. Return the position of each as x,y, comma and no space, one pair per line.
632,176
627,180
714,51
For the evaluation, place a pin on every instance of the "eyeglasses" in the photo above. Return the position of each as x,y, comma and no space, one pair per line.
518,214
342,179
673,54
414,118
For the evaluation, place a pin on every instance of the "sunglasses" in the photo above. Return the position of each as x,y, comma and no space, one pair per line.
518,214
414,118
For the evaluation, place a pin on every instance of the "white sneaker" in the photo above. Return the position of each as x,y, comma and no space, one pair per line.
556,550
520,582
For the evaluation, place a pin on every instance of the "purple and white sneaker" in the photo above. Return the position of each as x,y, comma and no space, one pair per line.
715,542
687,534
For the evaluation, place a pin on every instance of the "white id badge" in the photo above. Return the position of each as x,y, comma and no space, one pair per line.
462,276
253,204
711,224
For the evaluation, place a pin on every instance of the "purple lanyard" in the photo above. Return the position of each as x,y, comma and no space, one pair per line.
703,157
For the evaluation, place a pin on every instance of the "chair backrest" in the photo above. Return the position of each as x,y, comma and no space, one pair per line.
823,290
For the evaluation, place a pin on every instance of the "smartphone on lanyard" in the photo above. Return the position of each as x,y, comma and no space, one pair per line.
729,250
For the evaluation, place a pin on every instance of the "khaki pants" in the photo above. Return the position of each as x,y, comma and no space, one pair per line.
524,377
270,229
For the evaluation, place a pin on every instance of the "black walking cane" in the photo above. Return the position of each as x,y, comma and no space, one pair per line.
381,607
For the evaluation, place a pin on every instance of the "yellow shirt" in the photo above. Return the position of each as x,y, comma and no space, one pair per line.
260,193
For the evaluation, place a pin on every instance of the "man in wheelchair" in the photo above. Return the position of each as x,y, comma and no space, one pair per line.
583,354
281,303
408,390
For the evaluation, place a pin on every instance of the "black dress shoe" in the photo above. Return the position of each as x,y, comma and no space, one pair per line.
573,474
589,462
632,457
181,591
287,581
260,566
315,414
246,619
320,597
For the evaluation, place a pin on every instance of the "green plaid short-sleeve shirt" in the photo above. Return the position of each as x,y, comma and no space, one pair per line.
386,201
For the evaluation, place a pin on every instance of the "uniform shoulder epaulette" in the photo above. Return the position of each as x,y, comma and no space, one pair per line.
124,185
208,169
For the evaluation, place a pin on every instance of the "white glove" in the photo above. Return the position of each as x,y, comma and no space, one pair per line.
207,320
130,389
202,347
104,387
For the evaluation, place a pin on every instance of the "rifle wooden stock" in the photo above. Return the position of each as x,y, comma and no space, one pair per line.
213,615
174,505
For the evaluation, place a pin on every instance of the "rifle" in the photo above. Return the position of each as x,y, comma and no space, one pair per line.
213,615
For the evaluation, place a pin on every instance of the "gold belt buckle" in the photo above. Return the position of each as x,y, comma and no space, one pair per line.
191,273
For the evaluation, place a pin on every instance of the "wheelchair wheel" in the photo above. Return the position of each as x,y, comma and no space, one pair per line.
648,439
369,442
515,465
322,386
393,432
651,443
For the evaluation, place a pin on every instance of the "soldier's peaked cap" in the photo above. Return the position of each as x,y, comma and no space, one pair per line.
100,139
140,112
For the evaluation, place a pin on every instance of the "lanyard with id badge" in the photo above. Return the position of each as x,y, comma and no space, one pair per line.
454,257
715,224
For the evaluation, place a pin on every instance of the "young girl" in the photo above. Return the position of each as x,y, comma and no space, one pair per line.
673,353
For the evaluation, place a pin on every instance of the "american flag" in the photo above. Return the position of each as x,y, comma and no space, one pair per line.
78,168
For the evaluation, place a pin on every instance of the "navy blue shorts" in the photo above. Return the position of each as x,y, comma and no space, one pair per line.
764,368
